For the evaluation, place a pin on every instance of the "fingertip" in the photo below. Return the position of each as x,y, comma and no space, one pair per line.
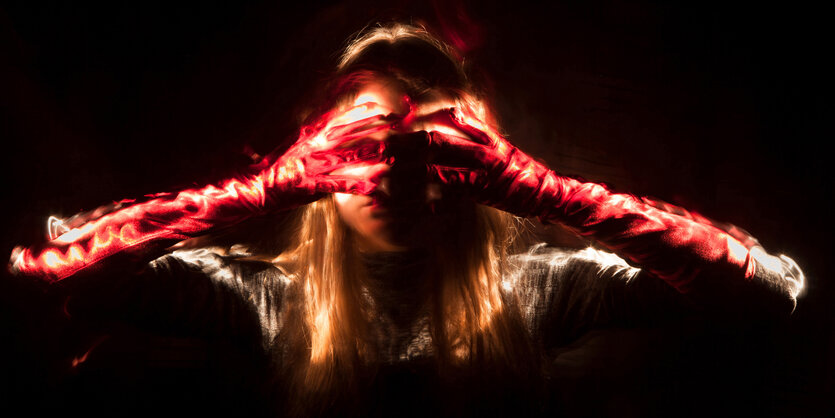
363,188
456,115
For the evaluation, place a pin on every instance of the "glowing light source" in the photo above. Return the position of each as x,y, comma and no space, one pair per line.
796,276
52,259
365,107
55,227
738,254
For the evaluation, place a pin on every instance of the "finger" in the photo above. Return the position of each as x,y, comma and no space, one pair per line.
459,177
338,131
364,184
451,150
366,108
370,151
371,133
449,121
357,116
473,126
439,148
346,184
408,147
355,112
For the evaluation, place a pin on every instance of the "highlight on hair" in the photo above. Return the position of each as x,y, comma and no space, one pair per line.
472,321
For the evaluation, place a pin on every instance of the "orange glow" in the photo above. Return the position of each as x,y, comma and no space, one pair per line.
99,244
81,359
362,110
52,259
366,97
75,233
738,255
74,254
528,173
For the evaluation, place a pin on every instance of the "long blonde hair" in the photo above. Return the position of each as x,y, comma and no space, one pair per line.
473,323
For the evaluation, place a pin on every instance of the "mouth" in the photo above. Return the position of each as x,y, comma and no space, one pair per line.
379,209
384,206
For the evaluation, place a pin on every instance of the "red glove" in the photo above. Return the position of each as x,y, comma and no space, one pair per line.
672,245
297,177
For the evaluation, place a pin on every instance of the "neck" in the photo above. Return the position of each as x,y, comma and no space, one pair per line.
397,281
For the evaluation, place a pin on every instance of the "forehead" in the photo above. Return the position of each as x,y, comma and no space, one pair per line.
385,93
392,95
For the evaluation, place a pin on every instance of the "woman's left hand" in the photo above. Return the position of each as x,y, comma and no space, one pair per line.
686,250
466,154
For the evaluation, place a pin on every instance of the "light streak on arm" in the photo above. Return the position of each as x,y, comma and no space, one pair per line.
299,176
666,241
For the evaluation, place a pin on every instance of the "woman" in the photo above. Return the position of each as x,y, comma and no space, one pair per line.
408,202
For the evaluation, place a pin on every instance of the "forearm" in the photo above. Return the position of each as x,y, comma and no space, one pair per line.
671,247
141,229
687,251
295,178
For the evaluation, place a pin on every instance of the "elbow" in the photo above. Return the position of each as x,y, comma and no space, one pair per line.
769,293
780,306
776,285
783,276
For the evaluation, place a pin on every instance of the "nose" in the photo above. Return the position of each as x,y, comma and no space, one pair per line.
405,181
407,148
384,187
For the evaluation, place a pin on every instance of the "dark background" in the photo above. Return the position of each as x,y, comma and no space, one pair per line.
716,107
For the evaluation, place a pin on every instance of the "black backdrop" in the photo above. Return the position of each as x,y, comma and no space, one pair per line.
716,107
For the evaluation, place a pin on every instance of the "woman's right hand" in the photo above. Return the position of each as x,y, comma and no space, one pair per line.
347,139
299,176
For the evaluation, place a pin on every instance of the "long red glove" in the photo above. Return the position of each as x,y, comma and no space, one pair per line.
672,244
299,176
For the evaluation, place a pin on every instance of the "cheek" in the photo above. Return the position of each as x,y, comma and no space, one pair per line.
344,200
355,212
348,205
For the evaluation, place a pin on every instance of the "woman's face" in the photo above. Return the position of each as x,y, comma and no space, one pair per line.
395,217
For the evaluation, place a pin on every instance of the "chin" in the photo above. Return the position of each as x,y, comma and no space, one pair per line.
397,233
382,226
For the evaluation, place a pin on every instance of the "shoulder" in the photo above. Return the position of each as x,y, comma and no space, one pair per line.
260,285
565,292
547,265
550,283
235,270
545,272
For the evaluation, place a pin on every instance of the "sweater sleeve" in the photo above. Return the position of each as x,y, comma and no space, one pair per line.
564,293
197,292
